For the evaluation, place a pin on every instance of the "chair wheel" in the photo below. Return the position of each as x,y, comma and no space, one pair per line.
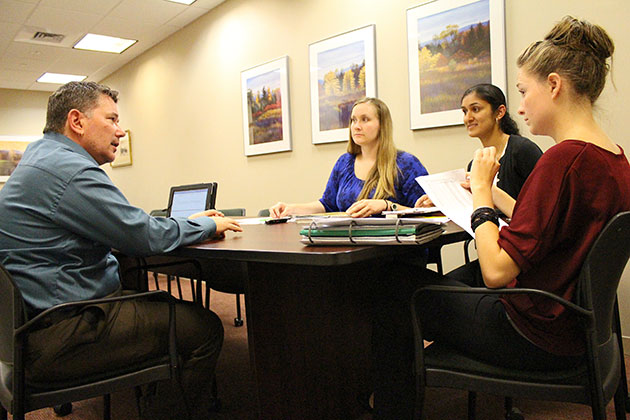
238,322
514,414
63,409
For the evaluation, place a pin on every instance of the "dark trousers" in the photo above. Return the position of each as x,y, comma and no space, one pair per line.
476,325
113,336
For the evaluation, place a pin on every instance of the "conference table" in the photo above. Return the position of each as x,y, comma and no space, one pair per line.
308,311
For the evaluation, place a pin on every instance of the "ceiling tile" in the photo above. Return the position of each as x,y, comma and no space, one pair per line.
30,51
15,11
80,62
13,84
47,87
19,75
23,64
147,11
123,28
62,21
207,4
187,16
100,7
8,30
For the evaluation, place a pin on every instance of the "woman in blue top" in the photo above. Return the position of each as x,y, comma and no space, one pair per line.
373,176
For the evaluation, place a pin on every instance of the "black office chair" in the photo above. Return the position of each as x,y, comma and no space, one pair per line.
594,383
19,397
227,278
233,212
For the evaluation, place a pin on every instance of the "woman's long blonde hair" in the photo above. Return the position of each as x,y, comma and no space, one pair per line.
384,174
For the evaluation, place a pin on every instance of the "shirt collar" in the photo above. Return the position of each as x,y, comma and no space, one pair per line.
70,144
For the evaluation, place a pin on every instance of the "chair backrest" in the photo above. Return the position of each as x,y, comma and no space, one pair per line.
601,273
185,200
11,314
233,212
263,213
159,212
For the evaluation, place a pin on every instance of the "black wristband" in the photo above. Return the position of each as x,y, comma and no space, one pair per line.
483,215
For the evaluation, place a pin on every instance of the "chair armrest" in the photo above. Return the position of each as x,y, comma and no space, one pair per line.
504,291
417,327
160,294
143,265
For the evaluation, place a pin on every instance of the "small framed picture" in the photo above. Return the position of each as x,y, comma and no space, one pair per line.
123,152
11,150
452,45
343,70
266,117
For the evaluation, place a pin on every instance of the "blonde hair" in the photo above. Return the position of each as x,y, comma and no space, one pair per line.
384,174
575,49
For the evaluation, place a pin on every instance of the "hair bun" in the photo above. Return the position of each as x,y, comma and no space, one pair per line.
580,35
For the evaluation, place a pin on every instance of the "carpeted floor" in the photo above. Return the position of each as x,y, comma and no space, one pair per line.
236,389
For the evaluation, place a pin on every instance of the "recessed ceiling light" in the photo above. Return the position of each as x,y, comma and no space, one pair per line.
188,2
60,78
104,43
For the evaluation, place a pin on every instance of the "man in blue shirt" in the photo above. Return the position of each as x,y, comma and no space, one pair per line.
61,216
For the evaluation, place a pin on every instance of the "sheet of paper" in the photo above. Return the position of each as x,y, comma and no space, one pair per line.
446,192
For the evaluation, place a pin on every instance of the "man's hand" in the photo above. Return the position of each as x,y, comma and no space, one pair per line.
224,224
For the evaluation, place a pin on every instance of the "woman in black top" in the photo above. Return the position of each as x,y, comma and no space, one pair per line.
486,117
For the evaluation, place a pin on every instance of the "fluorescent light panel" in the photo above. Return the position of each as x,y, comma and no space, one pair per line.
104,43
188,2
60,78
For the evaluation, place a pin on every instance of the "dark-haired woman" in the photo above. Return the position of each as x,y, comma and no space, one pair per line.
486,117
577,186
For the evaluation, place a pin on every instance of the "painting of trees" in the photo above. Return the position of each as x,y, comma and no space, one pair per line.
456,57
264,101
342,84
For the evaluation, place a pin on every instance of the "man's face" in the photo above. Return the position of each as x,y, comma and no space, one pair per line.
101,130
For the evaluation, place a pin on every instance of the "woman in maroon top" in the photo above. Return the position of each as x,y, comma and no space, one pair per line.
576,187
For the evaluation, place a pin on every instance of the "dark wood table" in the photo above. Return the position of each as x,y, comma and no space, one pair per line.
308,315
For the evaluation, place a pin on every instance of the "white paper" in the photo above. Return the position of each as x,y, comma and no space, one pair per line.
447,194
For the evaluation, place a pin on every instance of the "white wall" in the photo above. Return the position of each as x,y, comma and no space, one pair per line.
181,99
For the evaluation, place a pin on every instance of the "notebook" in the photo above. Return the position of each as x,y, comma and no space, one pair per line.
185,200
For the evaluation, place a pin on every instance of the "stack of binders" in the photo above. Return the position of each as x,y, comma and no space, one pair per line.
370,231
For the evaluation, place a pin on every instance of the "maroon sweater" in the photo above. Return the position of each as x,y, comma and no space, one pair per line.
573,191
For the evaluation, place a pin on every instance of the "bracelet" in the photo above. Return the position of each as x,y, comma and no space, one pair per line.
483,215
386,205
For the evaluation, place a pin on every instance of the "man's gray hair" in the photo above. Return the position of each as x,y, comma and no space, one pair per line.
83,96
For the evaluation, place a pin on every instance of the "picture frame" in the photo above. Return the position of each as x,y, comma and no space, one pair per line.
452,45
123,152
342,70
266,108
11,150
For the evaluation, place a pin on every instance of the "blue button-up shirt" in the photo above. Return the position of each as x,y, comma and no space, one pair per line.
60,216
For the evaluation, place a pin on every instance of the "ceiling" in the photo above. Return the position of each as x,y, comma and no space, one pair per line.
23,60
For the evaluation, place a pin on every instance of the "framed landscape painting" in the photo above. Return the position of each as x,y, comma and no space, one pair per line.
452,45
266,118
343,70
11,150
